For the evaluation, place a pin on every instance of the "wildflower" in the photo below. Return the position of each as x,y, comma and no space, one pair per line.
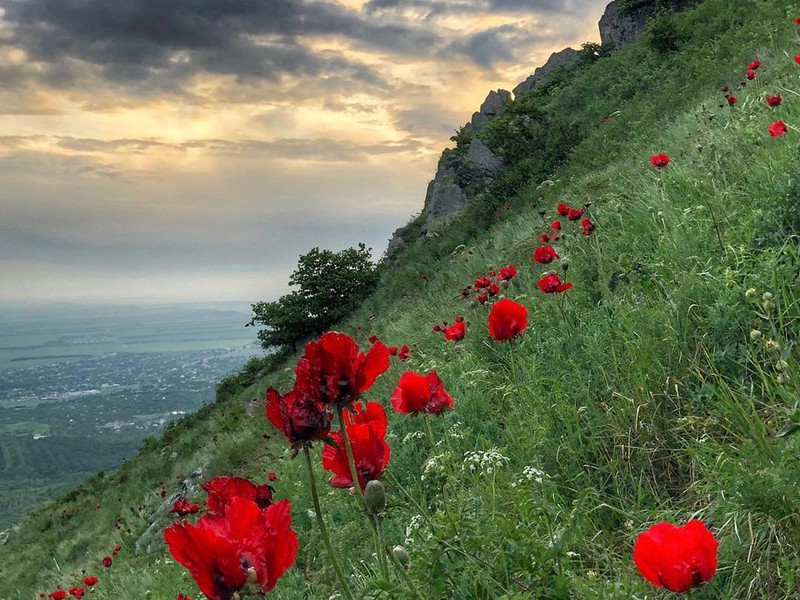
223,490
366,428
777,129
507,320
456,331
562,209
544,238
392,350
436,328
772,346
107,561
404,353
76,592
726,89
182,597
182,507
57,595
482,298
493,289
676,558
797,21
416,393
247,544
550,284
750,74
588,227
732,100
767,296
556,225
373,339
774,101
659,160
272,476
298,416
507,273
575,214
797,59
544,255
482,282
751,293
754,65
90,581
755,335
333,370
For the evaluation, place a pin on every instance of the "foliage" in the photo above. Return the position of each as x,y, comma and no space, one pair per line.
331,286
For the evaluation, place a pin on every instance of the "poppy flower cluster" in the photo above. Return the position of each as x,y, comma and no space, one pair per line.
488,286
453,333
573,214
676,558
366,428
245,540
416,394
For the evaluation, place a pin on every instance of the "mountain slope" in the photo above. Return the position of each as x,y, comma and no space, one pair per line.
636,396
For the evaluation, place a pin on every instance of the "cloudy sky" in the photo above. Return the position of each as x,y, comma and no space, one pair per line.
192,149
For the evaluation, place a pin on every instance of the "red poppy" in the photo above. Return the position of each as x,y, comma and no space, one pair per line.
393,350
58,595
659,160
482,282
507,273
754,65
797,21
300,417
556,225
545,255
588,227
373,339
222,491
575,214
676,558
404,353
456,331
366,428
116,550
90,581
182,507
544,238
750,74
182,597
507,320
726,89
550,284
107,561
272,476
223,552
774,101
732,100
416,393
562,209
777,129
76,592
334,371
494,289
797,59
481,299
437,328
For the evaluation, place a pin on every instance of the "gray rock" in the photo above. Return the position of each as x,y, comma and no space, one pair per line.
495,102
479,121
396,243
618,28
483,161
444,198
564,58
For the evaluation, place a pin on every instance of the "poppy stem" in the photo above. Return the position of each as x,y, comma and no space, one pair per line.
324,530
399,566
380,546
360,493
716,226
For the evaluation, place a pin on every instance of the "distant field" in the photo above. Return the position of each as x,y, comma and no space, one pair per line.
30,337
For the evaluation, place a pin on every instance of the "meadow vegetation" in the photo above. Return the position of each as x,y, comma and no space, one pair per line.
662,386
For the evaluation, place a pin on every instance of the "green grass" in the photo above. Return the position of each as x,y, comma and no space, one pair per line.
637,396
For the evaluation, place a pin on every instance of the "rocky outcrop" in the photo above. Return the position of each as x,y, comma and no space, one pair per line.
444,197
621,27
491,108
564,58
482,161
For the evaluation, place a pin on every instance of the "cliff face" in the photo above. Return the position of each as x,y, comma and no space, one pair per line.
446,196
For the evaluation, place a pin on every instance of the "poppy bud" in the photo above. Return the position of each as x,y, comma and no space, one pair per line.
767,305
375,497
750,294
565,263
755,335
401,555
773,346
766,296
781,365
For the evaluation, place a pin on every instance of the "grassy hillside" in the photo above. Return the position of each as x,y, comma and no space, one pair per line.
637,396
